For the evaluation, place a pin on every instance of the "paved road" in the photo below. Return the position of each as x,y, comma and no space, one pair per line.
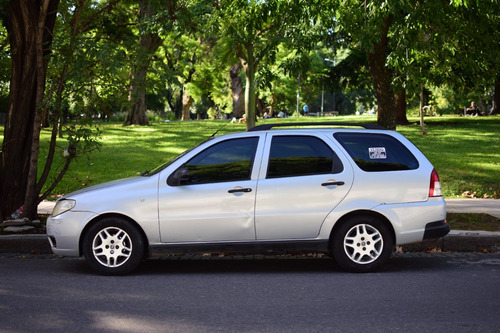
416,293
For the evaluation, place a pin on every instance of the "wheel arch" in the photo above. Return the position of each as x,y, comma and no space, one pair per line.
364,213
118,216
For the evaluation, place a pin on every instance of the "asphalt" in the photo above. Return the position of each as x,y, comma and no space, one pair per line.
455,241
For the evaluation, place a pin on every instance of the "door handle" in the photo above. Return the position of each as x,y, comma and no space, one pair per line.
339,183
237,190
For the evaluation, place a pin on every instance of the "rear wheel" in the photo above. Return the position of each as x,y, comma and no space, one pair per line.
113,246
362,244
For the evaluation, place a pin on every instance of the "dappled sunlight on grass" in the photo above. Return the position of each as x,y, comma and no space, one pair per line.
463,150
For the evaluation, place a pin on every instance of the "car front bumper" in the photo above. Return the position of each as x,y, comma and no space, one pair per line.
64,232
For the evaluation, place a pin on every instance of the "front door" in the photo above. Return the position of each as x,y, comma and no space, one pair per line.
215,201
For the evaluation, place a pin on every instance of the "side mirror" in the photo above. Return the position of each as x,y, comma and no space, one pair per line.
179,177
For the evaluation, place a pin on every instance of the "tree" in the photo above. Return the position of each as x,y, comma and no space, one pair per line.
252,30
355,17
478,32
447,44
149,41
30,25
21,185
74,51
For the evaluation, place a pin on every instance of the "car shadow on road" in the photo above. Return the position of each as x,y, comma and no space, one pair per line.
221,265
397,264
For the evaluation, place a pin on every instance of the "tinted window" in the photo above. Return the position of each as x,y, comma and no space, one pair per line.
225,161
377,152
301,155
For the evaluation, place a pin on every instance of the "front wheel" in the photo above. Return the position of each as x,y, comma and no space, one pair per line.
362,244
113,246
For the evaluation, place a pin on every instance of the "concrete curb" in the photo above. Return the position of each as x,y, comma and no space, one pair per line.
36,243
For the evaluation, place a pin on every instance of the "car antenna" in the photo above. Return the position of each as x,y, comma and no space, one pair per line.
217,131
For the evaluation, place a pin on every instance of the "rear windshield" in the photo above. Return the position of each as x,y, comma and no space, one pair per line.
377,152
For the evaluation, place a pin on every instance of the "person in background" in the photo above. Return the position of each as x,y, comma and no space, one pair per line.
472,111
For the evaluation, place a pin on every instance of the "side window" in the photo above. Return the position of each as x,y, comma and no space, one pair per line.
377,152
225,161
292,156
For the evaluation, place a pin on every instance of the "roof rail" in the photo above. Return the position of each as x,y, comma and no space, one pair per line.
266,127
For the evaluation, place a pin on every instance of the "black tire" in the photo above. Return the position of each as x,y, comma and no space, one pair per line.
113,246
362,244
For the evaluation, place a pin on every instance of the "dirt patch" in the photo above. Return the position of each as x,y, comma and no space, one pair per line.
471,221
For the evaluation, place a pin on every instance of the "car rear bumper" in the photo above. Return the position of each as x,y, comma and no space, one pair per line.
436,229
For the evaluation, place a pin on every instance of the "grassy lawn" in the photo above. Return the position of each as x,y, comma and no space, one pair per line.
465,151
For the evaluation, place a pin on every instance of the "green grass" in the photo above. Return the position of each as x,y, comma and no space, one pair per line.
465,151
129,151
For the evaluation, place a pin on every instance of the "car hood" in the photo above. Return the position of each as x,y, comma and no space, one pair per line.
115,183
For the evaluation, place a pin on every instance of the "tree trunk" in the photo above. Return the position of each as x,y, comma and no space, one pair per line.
401,108
31,196
422,123
260,106
496,97
272,103
137,96
175,104
148,44
187,102
249,67
382,79
237,91
27,83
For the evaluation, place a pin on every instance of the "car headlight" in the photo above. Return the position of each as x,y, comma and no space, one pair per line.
63,206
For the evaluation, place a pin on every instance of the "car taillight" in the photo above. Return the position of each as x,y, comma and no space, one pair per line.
435,188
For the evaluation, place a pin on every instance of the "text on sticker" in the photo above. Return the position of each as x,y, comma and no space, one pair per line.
377,153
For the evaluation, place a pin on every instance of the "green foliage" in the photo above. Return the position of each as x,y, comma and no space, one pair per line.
89,57
81,140
437,43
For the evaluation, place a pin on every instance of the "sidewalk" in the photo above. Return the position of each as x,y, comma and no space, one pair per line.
455,241
488,206
46,207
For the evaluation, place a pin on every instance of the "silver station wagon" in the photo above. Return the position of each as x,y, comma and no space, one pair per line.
353,191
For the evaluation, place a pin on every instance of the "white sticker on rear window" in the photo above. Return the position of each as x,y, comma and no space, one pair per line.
377,153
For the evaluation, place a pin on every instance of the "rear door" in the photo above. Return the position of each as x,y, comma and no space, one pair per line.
302,179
